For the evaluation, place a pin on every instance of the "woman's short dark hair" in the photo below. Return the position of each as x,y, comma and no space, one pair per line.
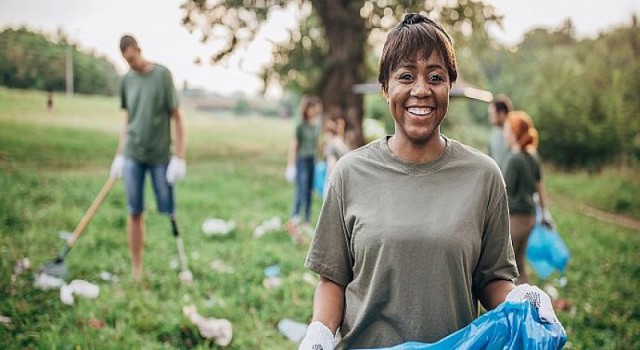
416,35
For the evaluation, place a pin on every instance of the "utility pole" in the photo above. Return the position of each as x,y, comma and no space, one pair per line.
69,71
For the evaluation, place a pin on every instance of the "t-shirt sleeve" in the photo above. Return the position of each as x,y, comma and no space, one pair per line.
497,259
123,94
170,92
329,254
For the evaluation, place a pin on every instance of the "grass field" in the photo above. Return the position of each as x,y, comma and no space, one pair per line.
52,166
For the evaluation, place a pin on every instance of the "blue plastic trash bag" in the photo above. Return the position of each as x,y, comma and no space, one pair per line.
512,325
319,176
546,251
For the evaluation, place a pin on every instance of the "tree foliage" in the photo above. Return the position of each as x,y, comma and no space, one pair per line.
582,93
327,53
32,60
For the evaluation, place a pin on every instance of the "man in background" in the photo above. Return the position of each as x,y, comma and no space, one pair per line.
149,98
498,110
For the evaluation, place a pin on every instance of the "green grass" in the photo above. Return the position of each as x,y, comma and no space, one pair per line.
52,166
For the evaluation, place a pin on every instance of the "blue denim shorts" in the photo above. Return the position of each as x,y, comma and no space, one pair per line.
134,175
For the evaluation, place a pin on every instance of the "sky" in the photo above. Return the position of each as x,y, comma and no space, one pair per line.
98,25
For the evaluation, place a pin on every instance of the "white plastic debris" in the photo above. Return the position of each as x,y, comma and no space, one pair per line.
22,265
5,320
186,277
210,328
66,294
217,227
85,289
220,266
273,224
46,282
309,278
293,330
64,235
551,291
108,276
272,282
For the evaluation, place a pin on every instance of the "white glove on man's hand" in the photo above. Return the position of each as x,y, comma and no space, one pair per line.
176,170
318,337
290,173
547,220
538,299
117,166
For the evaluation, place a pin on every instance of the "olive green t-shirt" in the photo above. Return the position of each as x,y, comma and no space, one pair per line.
521,174
307,136
149,99
413,244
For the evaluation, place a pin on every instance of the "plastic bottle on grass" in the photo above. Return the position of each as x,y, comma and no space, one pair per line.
293,330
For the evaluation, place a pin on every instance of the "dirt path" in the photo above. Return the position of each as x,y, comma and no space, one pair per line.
616,219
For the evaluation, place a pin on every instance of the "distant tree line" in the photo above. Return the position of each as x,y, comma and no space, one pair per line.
583,94
30,60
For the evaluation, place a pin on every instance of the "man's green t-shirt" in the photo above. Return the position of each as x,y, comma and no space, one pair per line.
413,244
149,99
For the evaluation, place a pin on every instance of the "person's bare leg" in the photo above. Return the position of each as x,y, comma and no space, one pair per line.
136,243
521,225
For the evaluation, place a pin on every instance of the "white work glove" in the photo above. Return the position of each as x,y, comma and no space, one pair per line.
318,337
538,299
117,166
290,173
176,170
547,220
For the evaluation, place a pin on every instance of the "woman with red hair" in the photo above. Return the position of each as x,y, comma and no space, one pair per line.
523,176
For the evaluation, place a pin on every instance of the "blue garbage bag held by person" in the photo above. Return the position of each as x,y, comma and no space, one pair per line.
512,325
320,177
546,251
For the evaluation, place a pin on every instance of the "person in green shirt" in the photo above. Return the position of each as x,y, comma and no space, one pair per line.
414,232
301,163
498,110
148,96
523,178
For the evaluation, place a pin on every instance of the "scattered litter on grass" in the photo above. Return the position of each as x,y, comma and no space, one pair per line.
46,282
293,330
220,330
562,304
271,274
66,294
551,291
64,235
96,323
272,271
217,227
272,282
310,278
108,276
85,289
22,265
81,288
186,277
174,264
273,224
5,320
220,266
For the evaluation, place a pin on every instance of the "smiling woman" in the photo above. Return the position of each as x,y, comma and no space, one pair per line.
414,231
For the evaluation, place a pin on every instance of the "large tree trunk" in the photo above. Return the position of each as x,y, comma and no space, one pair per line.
346,35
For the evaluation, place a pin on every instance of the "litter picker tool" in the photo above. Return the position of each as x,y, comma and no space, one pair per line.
185,274
57,267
